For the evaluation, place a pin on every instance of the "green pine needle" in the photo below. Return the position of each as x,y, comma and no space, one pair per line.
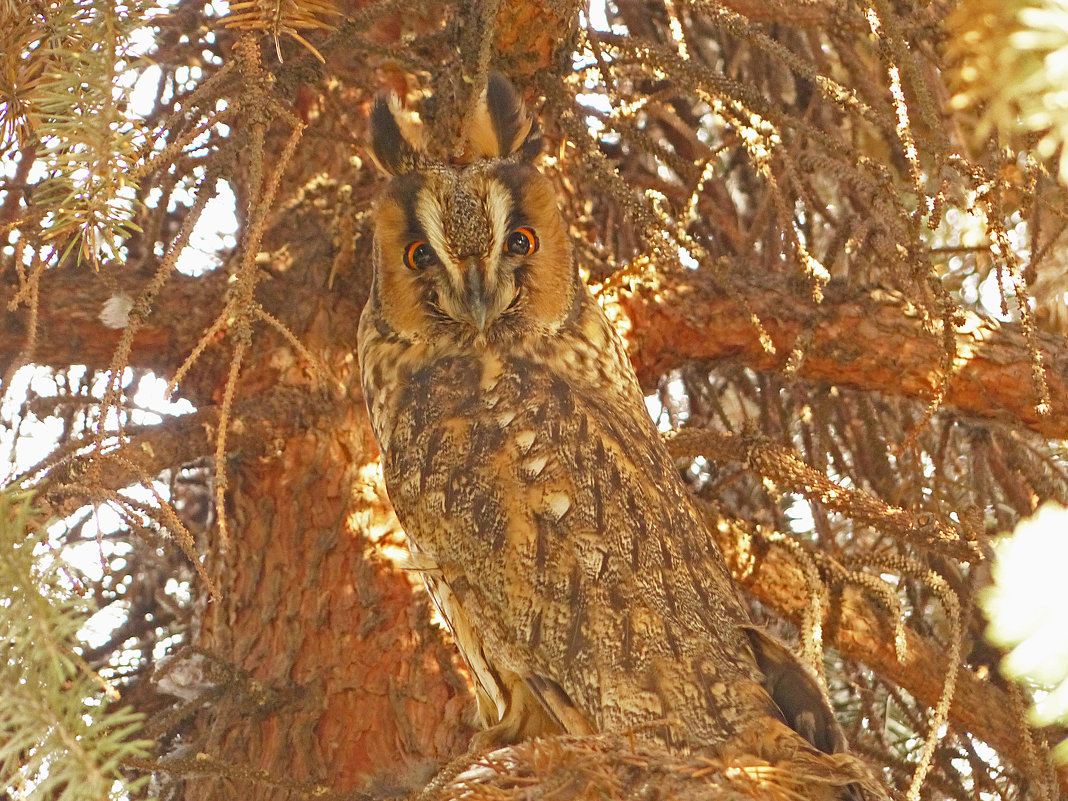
60,93
61,737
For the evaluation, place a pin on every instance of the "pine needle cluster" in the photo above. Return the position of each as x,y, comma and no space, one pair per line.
60,94
63,735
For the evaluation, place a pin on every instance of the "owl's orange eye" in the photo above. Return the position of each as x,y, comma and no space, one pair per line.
418,255
521,242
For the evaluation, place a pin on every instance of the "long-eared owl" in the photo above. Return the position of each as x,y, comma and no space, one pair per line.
556,535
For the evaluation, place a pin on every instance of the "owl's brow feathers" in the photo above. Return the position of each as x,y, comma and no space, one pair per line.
464,217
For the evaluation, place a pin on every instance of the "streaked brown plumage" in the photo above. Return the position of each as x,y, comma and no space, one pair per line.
556,536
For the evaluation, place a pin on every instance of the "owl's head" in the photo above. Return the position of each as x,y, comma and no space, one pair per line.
476,250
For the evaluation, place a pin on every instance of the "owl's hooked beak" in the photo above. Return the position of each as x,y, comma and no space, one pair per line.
475,301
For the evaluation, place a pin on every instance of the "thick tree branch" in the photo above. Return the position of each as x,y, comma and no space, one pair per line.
70,329
875,341
256,426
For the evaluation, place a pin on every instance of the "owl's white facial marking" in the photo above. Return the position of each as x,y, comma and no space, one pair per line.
428,212
498,205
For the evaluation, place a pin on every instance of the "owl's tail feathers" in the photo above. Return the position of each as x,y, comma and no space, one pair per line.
796,692
806,709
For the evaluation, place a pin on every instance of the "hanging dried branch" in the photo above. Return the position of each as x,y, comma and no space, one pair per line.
790,474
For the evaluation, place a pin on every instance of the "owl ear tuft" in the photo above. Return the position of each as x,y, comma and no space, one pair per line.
396,139
501,126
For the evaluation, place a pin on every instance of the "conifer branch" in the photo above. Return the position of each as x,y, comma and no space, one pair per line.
61,734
